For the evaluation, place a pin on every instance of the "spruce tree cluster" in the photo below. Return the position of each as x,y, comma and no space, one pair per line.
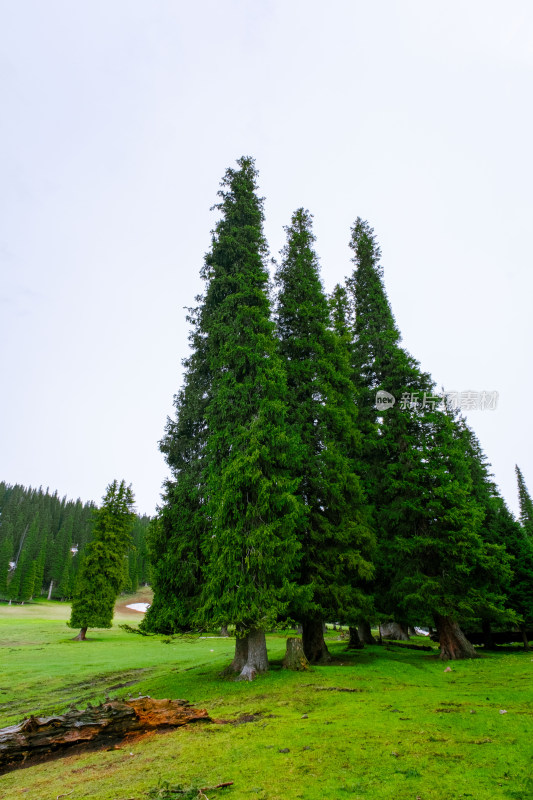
294,496
42,543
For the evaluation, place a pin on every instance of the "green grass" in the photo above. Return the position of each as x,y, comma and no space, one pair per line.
410,730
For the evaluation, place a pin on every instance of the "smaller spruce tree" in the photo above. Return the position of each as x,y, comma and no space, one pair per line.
102,573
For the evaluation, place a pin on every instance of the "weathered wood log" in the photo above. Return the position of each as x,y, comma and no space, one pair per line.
294,656
39,737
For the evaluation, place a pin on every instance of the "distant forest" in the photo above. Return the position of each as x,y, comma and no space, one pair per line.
42,543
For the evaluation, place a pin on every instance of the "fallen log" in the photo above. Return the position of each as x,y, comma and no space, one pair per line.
108,723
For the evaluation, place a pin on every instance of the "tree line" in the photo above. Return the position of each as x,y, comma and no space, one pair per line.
293,495
43,541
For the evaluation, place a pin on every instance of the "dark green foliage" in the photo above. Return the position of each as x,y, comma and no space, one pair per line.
526,504
28,582
6,550
449,564
334,532
224,549
251,550
102,571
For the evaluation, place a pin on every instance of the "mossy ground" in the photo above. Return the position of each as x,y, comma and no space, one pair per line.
406,730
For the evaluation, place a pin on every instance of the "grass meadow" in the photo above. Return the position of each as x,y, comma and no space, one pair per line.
384,723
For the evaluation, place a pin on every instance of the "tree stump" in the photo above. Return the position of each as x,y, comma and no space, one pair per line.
256,657
40,737
294,656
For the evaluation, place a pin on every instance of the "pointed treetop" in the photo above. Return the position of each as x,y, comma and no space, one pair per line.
526,503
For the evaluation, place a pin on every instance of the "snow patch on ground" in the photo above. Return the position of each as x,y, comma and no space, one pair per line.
142,607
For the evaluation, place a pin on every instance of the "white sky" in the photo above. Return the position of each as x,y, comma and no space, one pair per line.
117,122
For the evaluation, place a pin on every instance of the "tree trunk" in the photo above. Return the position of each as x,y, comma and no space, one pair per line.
241,654
81,636
50,590
365,632
295,657
453,642
355,642
224,630
257,658
523,630
488,641
108,723
314,645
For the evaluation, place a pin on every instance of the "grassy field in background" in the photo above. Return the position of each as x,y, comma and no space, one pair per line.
405,729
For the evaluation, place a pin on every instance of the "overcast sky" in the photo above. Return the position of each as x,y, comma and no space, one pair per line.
117,122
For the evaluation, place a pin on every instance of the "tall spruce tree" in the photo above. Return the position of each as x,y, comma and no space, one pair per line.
252,550
430,538
334,533
225,549
526,504
102,572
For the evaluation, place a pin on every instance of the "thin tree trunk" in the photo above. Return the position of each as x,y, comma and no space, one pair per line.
365,632
354,642
453,642
50,590
523,630
81,636
257,658
224,630
315,648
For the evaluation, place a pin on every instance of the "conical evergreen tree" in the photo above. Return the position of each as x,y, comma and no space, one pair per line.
334,533
429,523
252,551
102,571
28,582
15,583
526,504
225,549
